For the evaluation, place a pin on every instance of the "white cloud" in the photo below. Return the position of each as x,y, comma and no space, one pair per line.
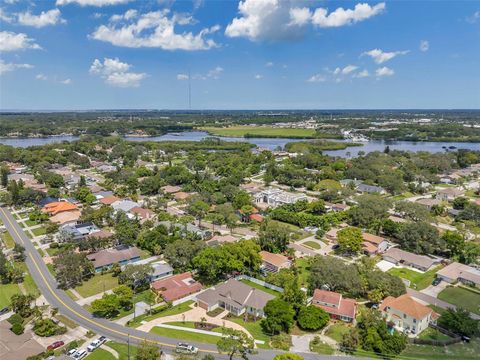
380,56
349,69
155,30
66,81
41,77
182,77
116,73
424,45
269,64
258,76
317,78
474,18
10,41
212,74
50,17
384,71
5,17
7,67
129,14
342,17
97,3
215,73
300,16
284,20
362,74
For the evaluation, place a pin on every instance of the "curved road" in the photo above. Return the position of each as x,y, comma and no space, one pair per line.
59,299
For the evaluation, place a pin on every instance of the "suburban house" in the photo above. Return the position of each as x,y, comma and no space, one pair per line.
142,213
176,287
57,207
124,205
273,263
109,199
461,273
449,194
104,259
373,244
405,258
161,270
181,195
370,189
78,231
236,297
335,305
277,197
169,189
406,314
429,202
221,239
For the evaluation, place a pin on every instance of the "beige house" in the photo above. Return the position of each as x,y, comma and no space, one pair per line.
407,314
273,263
449,194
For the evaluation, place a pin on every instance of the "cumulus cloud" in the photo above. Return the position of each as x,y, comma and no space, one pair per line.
317,78
50,17
284,20
362,74
5,17
41,77
424,45
182,77
384,71
97,3
66,81
346,70
10,41
8,67
258,76
474,18
215,74
116,73
154,29
380,56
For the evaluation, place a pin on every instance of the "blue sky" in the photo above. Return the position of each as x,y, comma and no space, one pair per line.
250,54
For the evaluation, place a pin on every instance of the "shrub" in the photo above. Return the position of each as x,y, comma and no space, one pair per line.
288,356
72,345
54,245
281,341
312,318
46,327
17,329
15,319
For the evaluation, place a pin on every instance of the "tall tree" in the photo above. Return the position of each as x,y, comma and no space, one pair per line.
235,342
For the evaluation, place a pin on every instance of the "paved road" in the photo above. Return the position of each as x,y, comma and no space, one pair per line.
59,299
434,301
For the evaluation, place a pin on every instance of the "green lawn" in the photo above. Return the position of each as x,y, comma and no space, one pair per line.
303,266
6,292
97,284
30,223
100,354
8,240
66,321
337,330
312,244
321,348
28,281
417,280
181,308
252,327
460,351
264,131
39,231
260,287
122,350
432,334
462,298
185,335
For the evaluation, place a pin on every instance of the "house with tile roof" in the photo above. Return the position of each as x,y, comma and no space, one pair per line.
57,207
460,272
335,305
373,244
236,297
176,287
104,259
273,263
401,257
406,314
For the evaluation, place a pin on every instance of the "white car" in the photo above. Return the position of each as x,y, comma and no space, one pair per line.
93,345
72,352
184,348
80,354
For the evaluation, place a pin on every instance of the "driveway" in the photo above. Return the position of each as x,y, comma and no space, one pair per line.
385,265
435,290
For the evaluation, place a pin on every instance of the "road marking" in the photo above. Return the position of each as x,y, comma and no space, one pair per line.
80,315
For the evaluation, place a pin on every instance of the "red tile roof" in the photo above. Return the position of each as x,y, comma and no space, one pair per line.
405,304
58,207
109,200
177,286
347,307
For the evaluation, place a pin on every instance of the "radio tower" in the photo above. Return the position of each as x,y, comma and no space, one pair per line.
189,91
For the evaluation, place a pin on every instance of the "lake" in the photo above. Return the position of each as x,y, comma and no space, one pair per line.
267,143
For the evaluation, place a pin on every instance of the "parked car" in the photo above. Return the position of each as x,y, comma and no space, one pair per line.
5,310
436,281
102,340
80,354
93,345
55,345
72,352
186,348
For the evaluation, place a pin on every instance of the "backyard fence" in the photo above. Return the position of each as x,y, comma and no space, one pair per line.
454,338
259,282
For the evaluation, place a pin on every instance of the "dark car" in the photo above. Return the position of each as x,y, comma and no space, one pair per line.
55,345
436,281
5,310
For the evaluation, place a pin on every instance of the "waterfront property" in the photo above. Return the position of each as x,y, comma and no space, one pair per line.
236,297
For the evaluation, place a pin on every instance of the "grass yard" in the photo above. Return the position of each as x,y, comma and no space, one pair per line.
8,240
291,227
66,321
260,131
260,287
303,266
28,282
6,292
312,244
39,231
185,335
461,297
460,351
252,327
100,354
337,330
122,350
417,280
321,347
97,284
432,334
181,308
71,295
30,223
